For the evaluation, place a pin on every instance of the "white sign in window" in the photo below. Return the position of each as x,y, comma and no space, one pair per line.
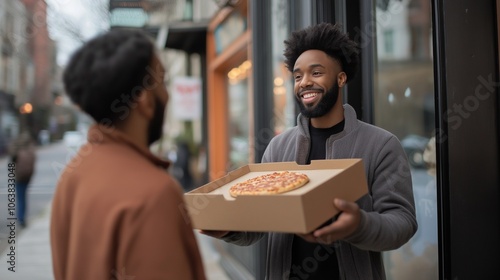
186,98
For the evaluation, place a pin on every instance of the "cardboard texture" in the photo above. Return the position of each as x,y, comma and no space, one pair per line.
211,207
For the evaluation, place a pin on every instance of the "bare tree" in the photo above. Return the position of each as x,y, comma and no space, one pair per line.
98,11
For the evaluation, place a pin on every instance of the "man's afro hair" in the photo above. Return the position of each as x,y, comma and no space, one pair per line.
325,37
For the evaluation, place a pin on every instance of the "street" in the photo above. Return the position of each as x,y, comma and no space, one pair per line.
50,162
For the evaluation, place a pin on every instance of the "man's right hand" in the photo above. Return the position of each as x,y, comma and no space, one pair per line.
214,233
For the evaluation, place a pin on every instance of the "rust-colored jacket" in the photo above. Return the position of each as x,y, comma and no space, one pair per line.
117,214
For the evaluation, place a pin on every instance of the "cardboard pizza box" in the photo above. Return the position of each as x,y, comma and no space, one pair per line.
210,207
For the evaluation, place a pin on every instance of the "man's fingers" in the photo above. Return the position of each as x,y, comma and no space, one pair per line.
325,239
307,237
214,233
325,230
342,225
345,206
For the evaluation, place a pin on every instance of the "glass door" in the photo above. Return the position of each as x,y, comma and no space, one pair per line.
404,105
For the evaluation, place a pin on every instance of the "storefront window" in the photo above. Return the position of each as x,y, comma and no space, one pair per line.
284,105
404,105
239,150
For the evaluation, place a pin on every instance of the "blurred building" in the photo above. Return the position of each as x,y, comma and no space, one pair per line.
16,68
43,52
27,67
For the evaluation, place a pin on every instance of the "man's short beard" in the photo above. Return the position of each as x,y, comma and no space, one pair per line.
324,106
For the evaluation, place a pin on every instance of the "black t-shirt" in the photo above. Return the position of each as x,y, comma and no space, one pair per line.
312,260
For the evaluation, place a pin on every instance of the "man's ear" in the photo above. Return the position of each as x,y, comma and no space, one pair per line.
145,104
342,79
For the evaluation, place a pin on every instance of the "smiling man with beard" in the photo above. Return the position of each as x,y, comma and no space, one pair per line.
117,213
323,60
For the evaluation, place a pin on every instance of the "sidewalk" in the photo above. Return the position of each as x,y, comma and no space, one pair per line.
34,261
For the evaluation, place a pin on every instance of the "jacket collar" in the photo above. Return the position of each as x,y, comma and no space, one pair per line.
101,134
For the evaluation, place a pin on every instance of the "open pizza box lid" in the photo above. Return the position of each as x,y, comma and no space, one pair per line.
302,210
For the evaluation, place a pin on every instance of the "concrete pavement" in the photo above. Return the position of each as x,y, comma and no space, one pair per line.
33,256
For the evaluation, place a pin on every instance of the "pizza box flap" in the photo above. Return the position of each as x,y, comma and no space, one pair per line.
210,207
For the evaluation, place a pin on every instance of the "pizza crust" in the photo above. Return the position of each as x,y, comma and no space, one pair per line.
272,183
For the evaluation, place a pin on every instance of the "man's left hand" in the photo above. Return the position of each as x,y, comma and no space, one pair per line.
345,225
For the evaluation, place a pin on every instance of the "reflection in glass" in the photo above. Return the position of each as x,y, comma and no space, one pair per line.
284,105
404,105
239,149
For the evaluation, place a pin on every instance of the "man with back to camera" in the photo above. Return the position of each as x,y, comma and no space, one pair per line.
322,60
116,212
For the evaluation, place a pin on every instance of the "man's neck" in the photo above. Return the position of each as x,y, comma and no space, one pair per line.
135,136
333,117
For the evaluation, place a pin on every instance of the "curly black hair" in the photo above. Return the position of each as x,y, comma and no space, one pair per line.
325,37
106,70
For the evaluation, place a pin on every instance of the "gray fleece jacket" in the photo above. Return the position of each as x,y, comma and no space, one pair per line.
388,210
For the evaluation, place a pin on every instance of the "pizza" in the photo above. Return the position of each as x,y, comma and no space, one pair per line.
271,183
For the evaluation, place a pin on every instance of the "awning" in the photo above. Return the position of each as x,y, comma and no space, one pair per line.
188,36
